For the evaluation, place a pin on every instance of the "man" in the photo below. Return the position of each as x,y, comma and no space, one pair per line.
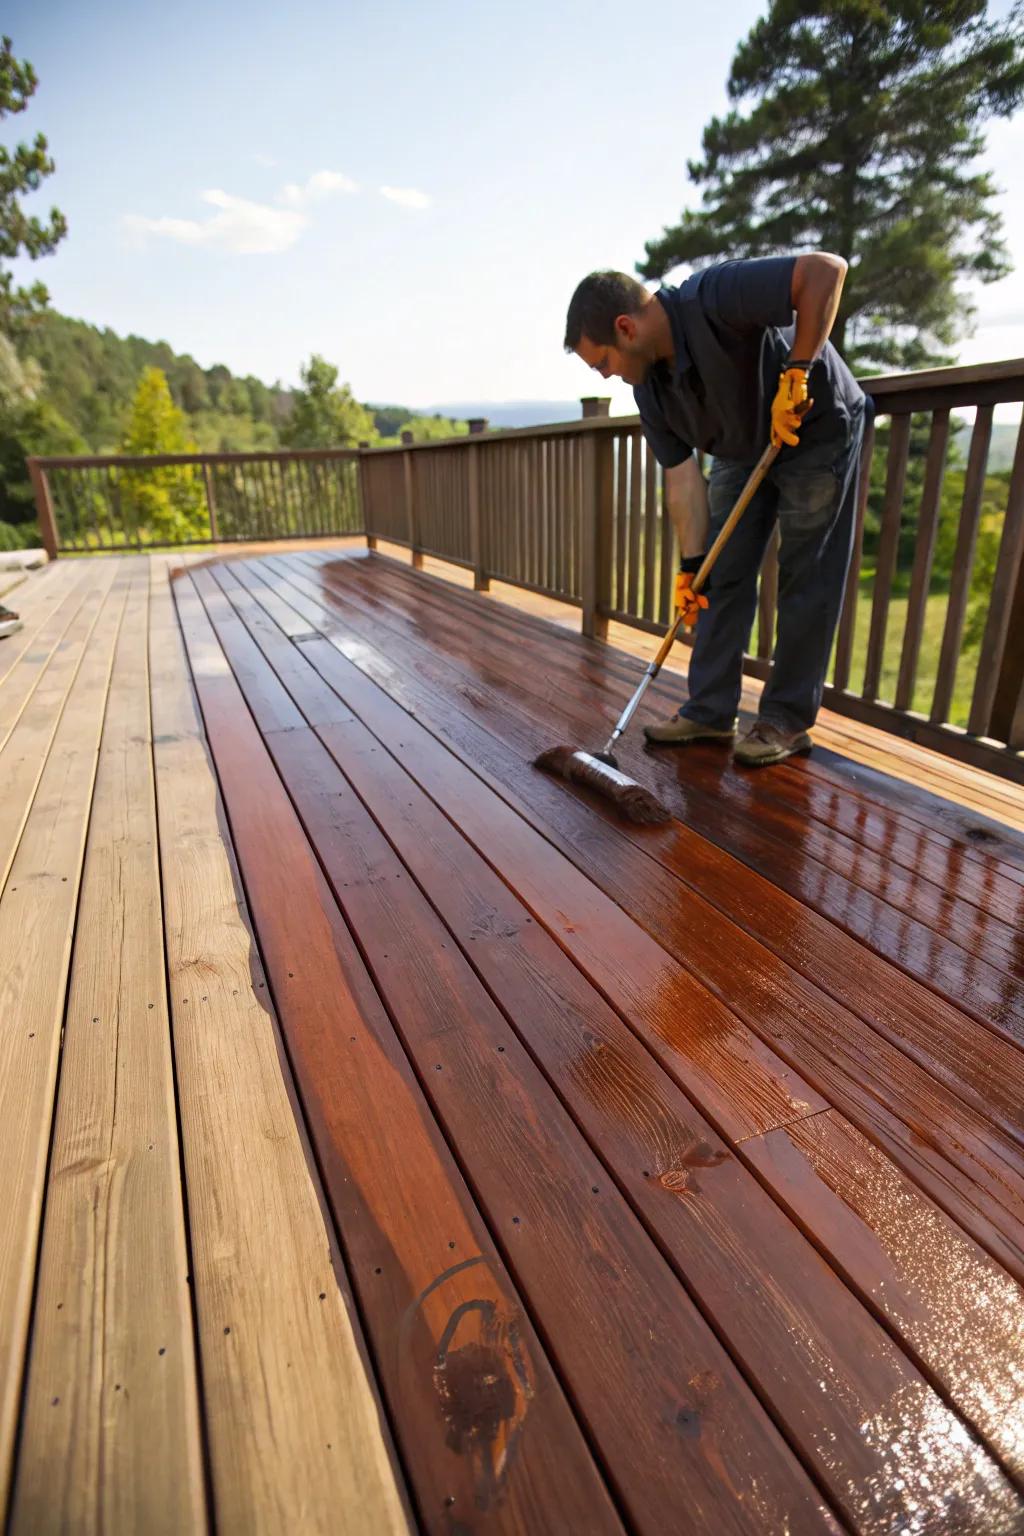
718,364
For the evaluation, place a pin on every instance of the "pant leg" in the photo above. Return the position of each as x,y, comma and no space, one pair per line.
715,673
817,494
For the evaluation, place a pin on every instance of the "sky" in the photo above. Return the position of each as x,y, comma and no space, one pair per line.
412,191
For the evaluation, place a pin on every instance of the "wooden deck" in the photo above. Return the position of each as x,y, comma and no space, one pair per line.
392,1140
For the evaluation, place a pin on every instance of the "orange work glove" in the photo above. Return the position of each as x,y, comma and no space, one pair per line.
688,602
790,403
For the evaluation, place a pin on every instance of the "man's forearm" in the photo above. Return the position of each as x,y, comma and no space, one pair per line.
817,286
687,500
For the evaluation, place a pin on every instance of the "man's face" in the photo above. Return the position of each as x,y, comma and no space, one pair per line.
625,358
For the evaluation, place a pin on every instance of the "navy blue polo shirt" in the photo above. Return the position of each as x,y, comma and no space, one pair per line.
732,328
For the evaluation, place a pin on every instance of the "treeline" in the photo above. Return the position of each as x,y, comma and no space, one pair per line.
67,387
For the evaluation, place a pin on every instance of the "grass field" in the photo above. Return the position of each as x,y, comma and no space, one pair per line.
928,663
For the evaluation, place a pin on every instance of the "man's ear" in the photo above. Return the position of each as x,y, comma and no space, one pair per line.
625,328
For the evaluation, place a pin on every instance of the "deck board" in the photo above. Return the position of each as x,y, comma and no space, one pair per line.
110,1437
292,1444
629,1343
532,1172
968,1163
495,1440
36,924
633,1117
777,839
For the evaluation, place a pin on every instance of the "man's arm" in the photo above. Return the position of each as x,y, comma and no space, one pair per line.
817,285
686,497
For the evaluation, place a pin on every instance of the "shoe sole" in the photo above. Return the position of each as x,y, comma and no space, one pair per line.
776,757
11,627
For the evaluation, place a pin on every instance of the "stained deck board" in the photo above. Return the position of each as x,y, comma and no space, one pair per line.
974,838
627,1340
940,787
674,778
110,1436
923,1302
497,711
867,895
966,1163
991,996
632,1116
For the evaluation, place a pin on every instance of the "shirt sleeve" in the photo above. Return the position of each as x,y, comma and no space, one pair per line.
750,294
667,446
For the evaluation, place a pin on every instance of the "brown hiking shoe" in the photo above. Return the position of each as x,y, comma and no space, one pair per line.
679,732
765,743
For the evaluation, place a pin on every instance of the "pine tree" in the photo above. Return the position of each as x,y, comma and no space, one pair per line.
22,170
856,129
168,501
323,415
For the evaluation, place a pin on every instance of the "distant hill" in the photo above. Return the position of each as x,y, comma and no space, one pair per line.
512,413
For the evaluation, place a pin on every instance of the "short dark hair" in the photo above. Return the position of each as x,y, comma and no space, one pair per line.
595,304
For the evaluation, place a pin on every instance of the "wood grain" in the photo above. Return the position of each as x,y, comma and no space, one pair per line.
110,1437
717,1225
36,924
438,1303
296,1435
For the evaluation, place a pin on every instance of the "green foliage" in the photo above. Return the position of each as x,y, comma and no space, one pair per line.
856,129
12,537
22,170
325,415
391,421
169,501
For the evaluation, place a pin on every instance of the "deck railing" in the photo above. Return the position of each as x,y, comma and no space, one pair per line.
122,502
931,636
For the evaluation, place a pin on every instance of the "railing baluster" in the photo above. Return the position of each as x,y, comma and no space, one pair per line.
1001,659
669,558
650,503
888,545
633,583
621,518
963,561
848,618
927,524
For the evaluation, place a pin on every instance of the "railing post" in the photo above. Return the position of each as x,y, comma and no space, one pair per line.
596,532
364,496
477,424
211,502
44,507
595,405
477,554
410,503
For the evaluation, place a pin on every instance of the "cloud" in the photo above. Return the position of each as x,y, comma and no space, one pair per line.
250,229
407,196
266,160
320,185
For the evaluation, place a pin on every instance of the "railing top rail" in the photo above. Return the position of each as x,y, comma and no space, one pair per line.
1011,370
162,460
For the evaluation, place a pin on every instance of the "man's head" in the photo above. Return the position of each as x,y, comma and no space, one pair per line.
614,326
